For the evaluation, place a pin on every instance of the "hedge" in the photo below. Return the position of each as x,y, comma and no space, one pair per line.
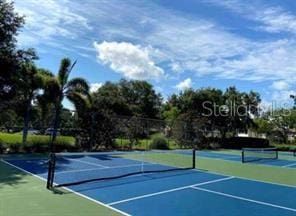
285,147
12,143
244,142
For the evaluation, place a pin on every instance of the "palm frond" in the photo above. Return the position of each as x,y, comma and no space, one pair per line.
64,71
80,102
78,83
51,88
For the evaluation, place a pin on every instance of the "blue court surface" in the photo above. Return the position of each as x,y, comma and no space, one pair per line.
186,192
237,158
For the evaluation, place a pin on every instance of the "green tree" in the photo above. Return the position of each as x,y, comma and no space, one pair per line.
11,58
62,87
128,98
31,82
263,126
8,119
141,98
109,99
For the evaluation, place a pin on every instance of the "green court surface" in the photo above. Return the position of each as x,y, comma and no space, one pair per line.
24,195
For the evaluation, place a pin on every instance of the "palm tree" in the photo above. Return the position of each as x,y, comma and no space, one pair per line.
61,87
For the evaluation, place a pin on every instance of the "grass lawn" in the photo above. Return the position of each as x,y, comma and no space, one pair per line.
24,195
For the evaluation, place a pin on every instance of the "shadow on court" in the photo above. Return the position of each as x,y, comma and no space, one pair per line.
10,176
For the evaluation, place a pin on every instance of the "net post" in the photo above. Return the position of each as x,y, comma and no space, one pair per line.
48,182
243,155
193,158
51,170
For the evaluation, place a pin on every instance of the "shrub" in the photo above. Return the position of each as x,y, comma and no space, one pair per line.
245,142
159,143
285,147
2,147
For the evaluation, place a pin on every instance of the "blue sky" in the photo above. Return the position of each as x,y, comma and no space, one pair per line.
173,44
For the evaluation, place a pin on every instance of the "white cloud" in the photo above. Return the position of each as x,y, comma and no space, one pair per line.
49,20
185,84
282,98
280,85
132,61
95,86
196,45
277,20
270,18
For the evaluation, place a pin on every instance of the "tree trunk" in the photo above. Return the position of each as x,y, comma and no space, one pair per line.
55,127
91,143
26,122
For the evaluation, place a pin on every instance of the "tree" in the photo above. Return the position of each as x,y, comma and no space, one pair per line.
109,99
128,98
8,119
61,87
11,59
141,98
31,82
263,126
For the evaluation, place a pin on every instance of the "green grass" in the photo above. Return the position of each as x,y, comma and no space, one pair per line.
278,175
14,141
24,195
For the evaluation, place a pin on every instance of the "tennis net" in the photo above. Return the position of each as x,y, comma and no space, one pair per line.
257,154
66,169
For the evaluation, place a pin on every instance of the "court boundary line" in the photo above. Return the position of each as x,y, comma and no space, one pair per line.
243,198
170,190
289,165
85,162
68,189
249,179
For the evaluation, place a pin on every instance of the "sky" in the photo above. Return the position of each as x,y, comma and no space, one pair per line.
173,44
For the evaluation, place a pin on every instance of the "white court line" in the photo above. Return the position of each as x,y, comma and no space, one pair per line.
25,159
169,191
103,168
85,162
289,165
244,199
68,189
230,157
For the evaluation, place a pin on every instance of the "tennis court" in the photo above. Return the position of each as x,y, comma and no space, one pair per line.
174,192
237,158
